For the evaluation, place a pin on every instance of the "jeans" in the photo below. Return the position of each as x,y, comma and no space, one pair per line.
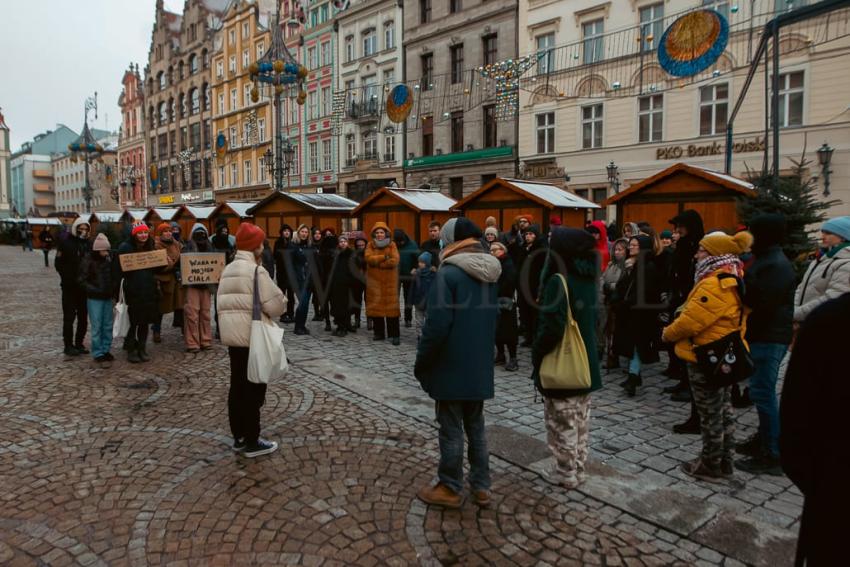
100,313
767,357
455,417
244,399
303,307
73,307
635,364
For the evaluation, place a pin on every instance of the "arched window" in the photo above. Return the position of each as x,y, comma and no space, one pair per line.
196,101
207,96
205,55
162,111
160,77
193,64
389,35
151,118
180,70
170,75
181,105
171,110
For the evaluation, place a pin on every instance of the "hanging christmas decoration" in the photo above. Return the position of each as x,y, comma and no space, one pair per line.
154,176
251,128
184,158
693,43
399,103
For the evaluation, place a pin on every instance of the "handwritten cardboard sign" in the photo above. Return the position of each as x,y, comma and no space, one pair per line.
143,260
200,268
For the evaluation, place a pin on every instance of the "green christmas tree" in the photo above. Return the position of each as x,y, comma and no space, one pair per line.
797,201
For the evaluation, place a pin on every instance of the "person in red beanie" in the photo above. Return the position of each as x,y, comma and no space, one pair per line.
171,297
140,295
235,312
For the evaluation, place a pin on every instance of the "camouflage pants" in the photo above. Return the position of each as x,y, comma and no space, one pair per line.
714,407
567,424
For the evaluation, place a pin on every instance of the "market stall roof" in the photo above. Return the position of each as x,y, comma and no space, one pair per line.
38,221
417,199
241,208
137,214
330,202
721,179
166,214
200,213
545,194
108,216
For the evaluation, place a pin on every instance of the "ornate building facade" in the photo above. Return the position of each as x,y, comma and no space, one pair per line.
132,175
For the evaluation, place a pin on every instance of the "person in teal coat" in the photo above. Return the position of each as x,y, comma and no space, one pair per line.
573,255
454,362
408,252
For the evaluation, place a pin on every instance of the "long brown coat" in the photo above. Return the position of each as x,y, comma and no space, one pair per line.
171,295
382,278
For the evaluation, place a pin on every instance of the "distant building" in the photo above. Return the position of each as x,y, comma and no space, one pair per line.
132,173
369,64
32,181
5,169
69,178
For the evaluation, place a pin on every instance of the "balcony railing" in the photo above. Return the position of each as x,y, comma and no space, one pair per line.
364,110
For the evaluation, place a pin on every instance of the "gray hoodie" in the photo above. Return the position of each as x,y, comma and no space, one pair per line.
477,265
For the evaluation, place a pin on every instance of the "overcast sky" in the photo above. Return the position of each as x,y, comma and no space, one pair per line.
55,53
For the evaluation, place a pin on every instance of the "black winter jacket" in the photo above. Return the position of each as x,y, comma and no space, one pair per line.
99,276
770,284
69,256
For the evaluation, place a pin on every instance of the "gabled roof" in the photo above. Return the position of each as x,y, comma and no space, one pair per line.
108,216
330,202
419,200
136,214
49,221
727,181
200,213
241,208
545,194
166,213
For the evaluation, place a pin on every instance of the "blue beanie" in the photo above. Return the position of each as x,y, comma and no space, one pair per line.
425,258
839,226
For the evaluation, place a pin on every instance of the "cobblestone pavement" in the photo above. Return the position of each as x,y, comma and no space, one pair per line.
132,466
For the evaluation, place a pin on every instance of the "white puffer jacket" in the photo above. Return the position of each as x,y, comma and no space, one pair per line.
826,278
236,299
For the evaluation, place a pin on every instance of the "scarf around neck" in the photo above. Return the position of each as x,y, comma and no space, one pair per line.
729,263
381,244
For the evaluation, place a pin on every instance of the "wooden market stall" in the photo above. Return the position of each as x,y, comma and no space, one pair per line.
187,215
234,212
40,224
681,186
408,209
505,199
157,215
324,210
102,219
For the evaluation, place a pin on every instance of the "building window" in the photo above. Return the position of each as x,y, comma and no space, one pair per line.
457,131
350,150
455,6
193,64
195,134
428,135
326,101
234,140
389,148
261,170
312,106
546,133
234,175
231,64
490,126
163,113
591,126
370,43
389,77
713,109
545,45
427,79
314,157
196,101
651,26
296,162
490,46
349,48
327,155
312,58
456,188
221,103
219,69
791,90
246,94
261,48
233,100
261,129
593,41
424,11
247,172
457,63
326,53
389,35
246,58
650,118
370,145
162,80
719,6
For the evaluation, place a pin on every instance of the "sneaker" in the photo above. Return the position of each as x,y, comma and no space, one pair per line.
752,447
239,445
765,463
440,495
133,356
71,351
143,355
301,331
512,365
699,470
481,498
81,349
261,447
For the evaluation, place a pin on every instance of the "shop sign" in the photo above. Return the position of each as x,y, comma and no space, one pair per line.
189,197
712,149
166,199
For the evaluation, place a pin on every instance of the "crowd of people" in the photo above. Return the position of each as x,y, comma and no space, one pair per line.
472,294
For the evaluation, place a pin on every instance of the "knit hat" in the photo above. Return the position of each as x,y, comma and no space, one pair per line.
665,234
425,258
491,230
457,229
139,227
838,226
163,227
768,229
490,221
527,217
555,220
101,242
249,237
720,243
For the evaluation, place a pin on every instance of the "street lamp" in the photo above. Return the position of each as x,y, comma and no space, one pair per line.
824,159
278,74
613,177
87,147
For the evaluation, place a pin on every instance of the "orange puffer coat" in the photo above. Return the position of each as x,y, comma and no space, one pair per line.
712,311
382,277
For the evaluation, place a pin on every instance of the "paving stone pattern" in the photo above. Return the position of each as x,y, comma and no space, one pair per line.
133,465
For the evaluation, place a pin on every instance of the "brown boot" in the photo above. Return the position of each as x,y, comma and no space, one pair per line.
702,470
440,495
481,498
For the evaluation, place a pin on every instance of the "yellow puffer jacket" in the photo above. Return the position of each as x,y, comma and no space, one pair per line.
712,311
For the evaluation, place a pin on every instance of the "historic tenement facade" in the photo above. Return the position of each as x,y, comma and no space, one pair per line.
460,139
132,175
179,109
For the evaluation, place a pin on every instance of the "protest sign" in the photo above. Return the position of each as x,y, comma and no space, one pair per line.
200,268
143,260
